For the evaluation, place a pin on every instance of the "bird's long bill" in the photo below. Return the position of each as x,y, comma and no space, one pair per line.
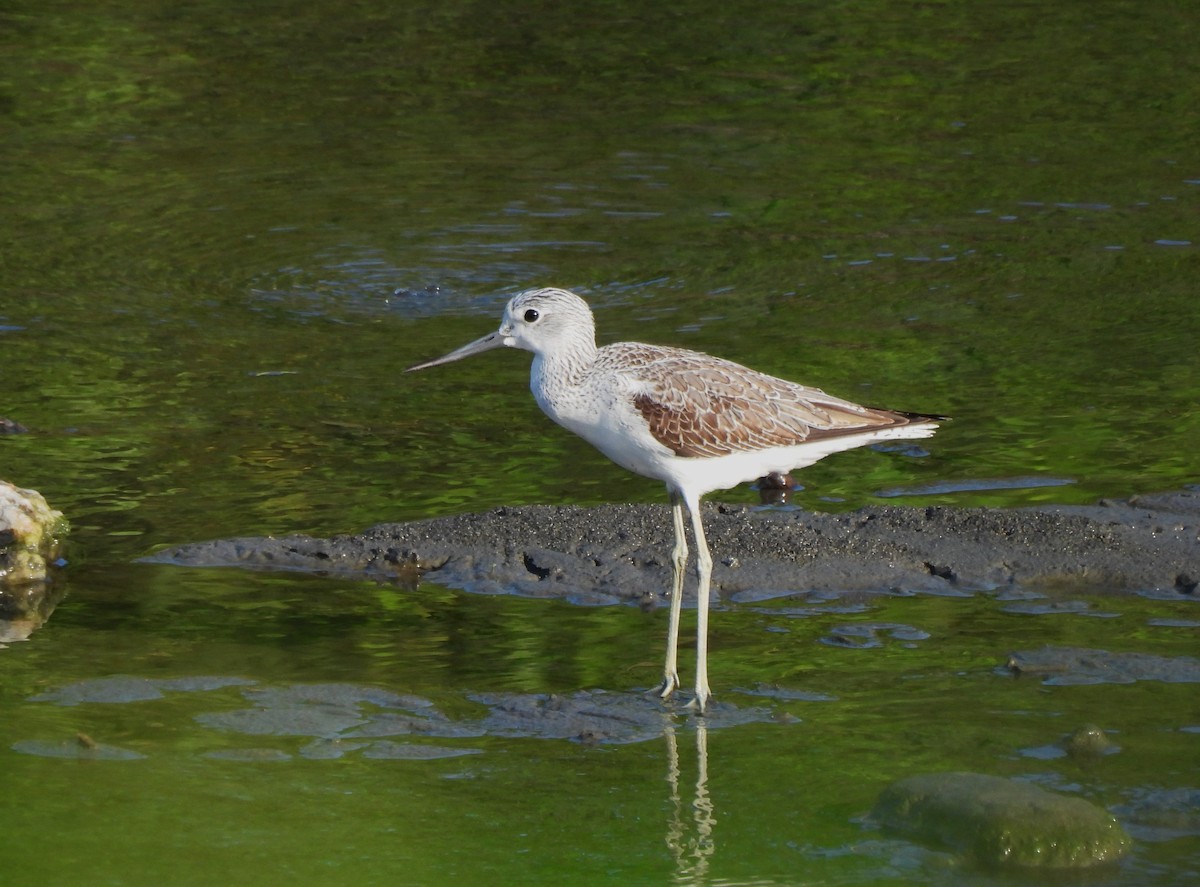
487,343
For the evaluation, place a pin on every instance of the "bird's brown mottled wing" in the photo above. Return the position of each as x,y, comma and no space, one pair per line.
697,405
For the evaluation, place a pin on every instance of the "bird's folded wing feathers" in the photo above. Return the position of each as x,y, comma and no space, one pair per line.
697,406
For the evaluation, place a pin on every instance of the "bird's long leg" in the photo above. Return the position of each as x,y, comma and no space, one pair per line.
704,574
679,556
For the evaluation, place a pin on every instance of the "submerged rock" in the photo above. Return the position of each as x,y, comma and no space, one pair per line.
1002,822
1088,743
1087,746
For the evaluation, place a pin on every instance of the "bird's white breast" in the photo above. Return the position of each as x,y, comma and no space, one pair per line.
598,406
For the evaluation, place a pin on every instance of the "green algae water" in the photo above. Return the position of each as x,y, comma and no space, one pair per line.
183,763
227,230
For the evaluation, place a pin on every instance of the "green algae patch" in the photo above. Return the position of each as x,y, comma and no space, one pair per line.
1000,822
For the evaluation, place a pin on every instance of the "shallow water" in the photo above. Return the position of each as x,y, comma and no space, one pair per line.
225,234
262,718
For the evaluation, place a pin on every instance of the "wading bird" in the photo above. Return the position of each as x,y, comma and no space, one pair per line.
698,423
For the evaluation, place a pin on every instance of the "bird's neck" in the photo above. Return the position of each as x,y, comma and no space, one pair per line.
556,374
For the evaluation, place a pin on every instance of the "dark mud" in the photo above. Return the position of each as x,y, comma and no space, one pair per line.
1066,666
344,719
621,553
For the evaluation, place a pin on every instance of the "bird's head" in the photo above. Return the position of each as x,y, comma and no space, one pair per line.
539,320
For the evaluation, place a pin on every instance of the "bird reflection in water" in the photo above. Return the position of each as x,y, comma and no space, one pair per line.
690,837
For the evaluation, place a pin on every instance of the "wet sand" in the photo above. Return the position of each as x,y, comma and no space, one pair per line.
1147,544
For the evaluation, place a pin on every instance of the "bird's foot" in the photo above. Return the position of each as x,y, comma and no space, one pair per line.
700,701
670,683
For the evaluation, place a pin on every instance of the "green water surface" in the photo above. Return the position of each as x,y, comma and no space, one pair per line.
227,228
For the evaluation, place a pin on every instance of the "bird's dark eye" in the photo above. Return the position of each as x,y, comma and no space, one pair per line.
531,316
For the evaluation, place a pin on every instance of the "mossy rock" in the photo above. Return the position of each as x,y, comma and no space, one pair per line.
1001,822
31,535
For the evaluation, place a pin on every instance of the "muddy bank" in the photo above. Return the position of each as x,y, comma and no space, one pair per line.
621,553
